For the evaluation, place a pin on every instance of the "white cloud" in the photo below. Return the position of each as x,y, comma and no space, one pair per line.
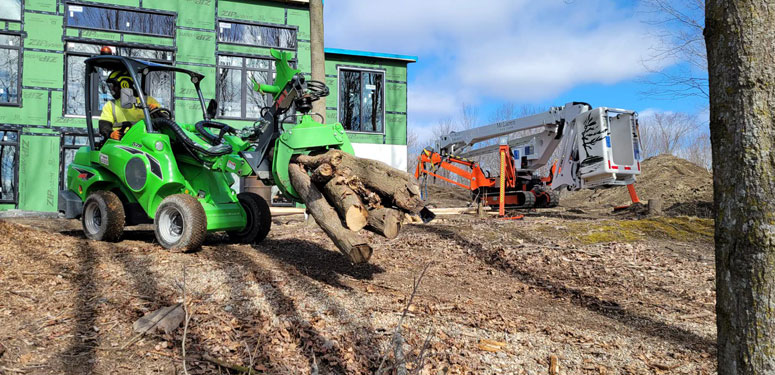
497,49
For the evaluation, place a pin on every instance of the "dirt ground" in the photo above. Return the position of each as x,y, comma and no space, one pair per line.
685,189
605,295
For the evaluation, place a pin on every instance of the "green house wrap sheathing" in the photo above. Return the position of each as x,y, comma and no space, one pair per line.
39,116
38,173
395,95
44,31
34,111
41,5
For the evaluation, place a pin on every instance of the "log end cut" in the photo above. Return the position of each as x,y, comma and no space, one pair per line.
355,218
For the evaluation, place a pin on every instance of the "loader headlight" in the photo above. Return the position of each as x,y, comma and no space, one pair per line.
159,146
135,174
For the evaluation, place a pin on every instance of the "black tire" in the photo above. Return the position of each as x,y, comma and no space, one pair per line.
103,216
180,223
554,198
259,219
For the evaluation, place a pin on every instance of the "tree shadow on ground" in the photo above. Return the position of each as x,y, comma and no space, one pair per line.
606,308
316,262
147,236
81,354
241,268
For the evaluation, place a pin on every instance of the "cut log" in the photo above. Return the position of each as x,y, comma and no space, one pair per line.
348,242
385,222
323,173
313,161
346,202
371,198
401,189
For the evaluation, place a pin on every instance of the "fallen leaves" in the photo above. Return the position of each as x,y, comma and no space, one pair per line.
490,345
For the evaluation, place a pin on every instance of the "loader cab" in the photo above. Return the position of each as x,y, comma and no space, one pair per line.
139,71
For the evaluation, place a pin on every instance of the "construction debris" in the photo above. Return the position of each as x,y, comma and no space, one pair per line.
166,319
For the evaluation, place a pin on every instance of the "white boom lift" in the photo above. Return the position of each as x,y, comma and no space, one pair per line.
598,147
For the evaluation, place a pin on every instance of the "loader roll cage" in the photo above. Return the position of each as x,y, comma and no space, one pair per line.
136,69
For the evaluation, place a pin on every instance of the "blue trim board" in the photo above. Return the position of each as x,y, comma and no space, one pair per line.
390,56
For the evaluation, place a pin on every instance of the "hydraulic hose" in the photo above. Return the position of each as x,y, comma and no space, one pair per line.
189,144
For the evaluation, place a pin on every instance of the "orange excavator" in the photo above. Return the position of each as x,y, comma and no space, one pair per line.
597,147
523,191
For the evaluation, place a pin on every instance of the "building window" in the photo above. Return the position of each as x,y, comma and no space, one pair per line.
70,145
235,94
9,165
157,84
11,10
10,86
122,20
361,100
257,35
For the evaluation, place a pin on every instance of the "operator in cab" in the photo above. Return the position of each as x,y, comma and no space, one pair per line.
114,116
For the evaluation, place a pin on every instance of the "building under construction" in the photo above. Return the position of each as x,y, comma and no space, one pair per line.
43,44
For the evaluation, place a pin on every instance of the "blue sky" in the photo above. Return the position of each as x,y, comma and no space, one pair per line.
521,52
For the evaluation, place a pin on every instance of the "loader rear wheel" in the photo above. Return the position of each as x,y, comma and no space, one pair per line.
259,219
103,216
180,223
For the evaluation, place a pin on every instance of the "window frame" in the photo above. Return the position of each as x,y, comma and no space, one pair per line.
244,73
293,28
62,149
21,14
16,143
339,69
20,50
95,82
67,24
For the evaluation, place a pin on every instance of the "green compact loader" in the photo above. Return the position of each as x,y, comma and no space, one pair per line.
178,176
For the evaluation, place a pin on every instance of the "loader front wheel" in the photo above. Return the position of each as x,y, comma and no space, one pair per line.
259,219
103,216
180,223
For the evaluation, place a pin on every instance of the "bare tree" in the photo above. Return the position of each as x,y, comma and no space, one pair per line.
698,151
413,148
469,117
666,133
681,23
442,128
739,37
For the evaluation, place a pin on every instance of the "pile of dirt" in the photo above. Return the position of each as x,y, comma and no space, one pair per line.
444,194
684,187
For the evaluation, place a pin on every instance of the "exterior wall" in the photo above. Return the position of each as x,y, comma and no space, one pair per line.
395,96
393,155
40,121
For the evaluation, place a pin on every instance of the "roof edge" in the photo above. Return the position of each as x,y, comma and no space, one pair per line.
379,55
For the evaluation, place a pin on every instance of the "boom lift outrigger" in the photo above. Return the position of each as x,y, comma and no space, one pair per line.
598,148
179,176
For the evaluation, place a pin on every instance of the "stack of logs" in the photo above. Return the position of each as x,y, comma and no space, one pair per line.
345,194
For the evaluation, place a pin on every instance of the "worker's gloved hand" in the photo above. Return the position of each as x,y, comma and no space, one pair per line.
116,134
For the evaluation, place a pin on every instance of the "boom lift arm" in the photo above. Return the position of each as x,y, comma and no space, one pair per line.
597,148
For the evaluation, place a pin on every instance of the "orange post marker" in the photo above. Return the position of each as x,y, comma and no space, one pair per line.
633,194
502,192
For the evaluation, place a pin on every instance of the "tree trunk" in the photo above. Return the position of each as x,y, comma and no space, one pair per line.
348,242
317,52
346,202
739,37
385,222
